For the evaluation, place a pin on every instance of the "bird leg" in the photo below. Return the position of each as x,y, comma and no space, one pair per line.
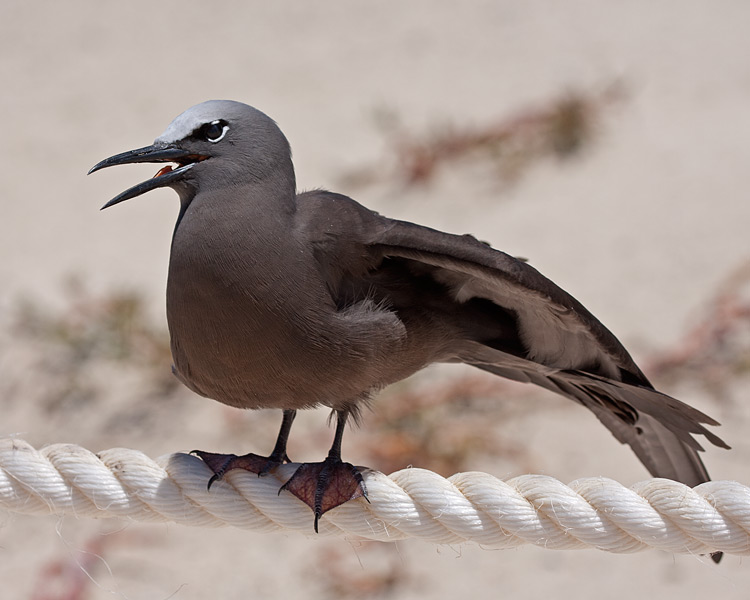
328,484
221,463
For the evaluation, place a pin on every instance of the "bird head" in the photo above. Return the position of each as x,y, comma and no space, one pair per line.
226,142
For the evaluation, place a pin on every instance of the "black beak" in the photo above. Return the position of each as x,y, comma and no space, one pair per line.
151,154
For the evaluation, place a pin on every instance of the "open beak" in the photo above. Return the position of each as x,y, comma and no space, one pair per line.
156,153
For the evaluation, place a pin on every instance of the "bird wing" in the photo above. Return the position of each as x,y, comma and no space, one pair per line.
555,329
564,347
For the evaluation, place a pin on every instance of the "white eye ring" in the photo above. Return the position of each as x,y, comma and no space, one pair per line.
224,130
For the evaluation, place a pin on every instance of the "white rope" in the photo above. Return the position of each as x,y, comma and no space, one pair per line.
65,479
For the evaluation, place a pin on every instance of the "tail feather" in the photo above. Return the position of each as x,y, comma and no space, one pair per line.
658,428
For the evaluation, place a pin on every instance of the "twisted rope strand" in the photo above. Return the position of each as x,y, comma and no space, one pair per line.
595,512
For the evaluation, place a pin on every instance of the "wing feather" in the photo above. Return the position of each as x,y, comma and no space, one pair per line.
568,350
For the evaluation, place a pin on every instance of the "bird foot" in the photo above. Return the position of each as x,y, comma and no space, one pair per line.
326,485
221,463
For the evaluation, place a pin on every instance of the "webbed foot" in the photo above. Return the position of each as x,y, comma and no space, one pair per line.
326,485
221,463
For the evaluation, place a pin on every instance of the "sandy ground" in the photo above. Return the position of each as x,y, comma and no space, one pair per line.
641,227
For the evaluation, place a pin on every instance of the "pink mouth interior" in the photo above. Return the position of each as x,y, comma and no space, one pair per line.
163,171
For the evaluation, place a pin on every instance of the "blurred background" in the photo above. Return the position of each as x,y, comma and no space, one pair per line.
606,142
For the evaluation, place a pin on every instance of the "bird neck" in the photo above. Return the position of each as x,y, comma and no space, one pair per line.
275,191
281,184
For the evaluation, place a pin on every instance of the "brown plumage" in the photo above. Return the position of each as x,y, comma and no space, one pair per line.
283,300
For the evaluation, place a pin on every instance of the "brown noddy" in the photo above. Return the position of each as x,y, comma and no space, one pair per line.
280,299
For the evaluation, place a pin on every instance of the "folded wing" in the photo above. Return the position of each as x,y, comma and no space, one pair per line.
561,346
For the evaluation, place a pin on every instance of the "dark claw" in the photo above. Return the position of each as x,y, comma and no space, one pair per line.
326,485
221,463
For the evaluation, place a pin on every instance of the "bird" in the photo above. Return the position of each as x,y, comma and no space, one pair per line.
287,299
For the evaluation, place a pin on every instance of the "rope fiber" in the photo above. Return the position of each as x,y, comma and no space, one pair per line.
594,512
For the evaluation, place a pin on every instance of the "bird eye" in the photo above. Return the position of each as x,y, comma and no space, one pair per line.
214,131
